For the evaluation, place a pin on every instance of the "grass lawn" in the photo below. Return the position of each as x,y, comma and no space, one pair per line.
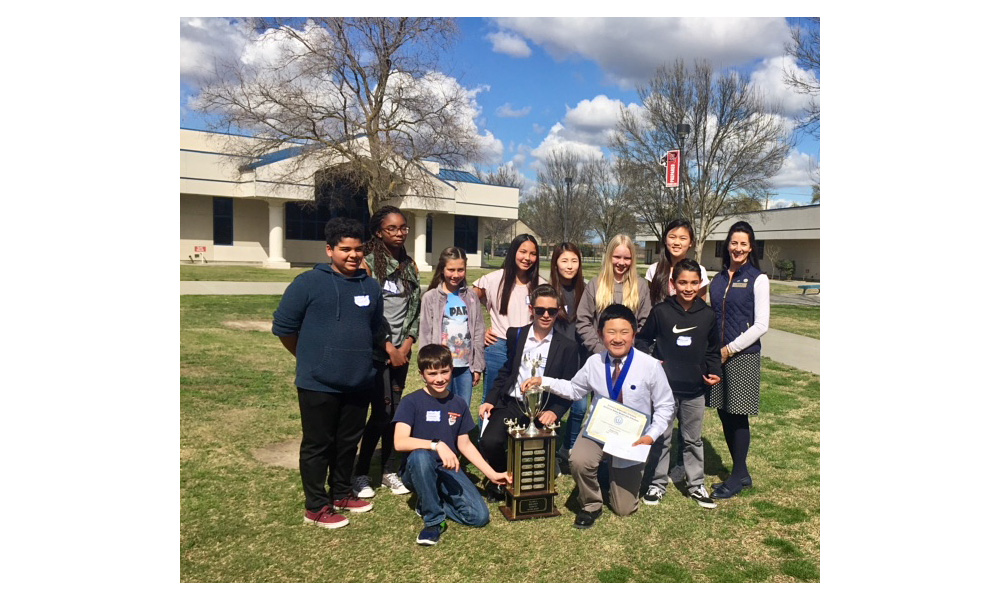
803,320
241,519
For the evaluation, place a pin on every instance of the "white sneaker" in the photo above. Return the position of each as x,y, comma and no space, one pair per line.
363,487
394,483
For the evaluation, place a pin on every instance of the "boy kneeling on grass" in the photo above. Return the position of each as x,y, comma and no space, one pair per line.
433,424
626,375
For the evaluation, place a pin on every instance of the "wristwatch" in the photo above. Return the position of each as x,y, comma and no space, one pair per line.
434,445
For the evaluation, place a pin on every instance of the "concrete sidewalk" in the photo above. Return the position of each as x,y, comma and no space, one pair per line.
790,349
232,288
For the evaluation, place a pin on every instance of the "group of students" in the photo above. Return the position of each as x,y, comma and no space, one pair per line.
653,344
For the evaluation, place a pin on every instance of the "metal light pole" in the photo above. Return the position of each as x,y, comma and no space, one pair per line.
683,129
569,182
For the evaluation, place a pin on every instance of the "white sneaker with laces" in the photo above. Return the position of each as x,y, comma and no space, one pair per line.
394,483
363,487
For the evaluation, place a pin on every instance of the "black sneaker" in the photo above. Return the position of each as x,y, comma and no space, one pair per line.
700,495
494,493
431,535
585,519
653,495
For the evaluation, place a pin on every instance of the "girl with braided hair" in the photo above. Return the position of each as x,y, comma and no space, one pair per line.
396,272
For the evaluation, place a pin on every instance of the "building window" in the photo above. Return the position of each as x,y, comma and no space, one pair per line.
429,244
720,249
306,221
467,233
222,221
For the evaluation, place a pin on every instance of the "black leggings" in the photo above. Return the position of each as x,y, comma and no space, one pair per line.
737,431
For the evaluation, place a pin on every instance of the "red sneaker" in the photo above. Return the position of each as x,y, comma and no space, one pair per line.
353,504
325,517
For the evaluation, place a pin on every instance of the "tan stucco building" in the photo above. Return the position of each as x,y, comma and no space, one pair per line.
794,230
252,217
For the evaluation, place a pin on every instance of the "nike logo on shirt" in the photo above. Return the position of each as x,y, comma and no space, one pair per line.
685,329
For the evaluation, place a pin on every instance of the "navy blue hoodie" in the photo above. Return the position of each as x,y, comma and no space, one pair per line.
338,320
687,341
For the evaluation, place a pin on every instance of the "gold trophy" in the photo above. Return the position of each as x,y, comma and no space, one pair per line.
531,459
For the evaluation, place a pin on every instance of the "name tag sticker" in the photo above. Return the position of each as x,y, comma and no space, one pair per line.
683,340
527,300
434,415
362,300
741,284
391,287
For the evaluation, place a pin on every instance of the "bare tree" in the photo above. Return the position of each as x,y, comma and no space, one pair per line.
564,215
773,253
500,231
612,200
359,94
737,142
804,48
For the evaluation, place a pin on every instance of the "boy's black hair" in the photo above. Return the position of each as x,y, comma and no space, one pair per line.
433,356
543,291
339,228
687,264
617,311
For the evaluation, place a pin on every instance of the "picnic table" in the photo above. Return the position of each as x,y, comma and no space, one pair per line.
804,288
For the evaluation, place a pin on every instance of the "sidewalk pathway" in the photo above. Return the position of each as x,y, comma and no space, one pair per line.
790,349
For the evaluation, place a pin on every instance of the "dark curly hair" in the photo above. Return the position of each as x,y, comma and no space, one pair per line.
376,246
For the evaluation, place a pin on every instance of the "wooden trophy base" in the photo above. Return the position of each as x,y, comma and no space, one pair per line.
530,506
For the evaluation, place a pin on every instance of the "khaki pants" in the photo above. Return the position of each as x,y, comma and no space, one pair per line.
623,495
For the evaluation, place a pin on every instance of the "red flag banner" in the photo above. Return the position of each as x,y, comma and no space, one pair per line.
672,161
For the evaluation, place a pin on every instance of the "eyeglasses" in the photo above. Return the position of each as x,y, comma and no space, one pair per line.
550,311
392,229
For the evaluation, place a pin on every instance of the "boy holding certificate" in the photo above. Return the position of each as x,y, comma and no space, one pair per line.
633,383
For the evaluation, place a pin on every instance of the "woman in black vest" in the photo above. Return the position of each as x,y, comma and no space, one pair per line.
741,299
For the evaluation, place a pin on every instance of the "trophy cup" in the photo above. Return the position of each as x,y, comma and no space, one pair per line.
531,459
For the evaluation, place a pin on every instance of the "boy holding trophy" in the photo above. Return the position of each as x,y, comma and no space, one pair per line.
633,404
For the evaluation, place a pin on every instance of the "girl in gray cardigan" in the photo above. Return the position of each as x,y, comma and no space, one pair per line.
450,315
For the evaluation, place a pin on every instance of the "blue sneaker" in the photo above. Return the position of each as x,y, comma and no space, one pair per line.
430,536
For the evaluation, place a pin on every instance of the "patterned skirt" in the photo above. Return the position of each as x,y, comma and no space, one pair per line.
739,391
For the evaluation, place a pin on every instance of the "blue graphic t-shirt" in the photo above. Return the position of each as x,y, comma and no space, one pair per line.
433,418
455,331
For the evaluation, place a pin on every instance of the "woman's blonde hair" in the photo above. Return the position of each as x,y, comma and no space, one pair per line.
606,279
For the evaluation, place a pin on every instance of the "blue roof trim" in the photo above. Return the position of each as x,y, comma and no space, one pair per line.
454,175
273,157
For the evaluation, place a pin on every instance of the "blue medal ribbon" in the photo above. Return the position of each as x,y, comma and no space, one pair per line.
616,390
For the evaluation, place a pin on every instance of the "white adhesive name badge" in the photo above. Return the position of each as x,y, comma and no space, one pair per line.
362,300
391,287
683,340
434,415
527,300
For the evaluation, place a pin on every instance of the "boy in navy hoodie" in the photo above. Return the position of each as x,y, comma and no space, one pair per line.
687,342
330,319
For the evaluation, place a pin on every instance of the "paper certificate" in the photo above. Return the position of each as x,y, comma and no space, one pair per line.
612,420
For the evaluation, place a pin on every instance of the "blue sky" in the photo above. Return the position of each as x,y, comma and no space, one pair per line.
537,84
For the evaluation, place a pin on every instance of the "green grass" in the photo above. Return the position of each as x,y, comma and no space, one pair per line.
236,273
240,519
803,320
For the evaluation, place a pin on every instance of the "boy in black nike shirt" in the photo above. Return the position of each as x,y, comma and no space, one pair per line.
433,425
683,331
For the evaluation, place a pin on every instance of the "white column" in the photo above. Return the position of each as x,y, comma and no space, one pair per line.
419,229
276,236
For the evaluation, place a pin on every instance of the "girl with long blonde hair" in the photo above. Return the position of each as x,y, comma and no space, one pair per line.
617,283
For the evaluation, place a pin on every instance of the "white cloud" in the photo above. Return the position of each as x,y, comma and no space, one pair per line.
769,78
585,129
205,40
796,171
509,44
508,111
630,49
